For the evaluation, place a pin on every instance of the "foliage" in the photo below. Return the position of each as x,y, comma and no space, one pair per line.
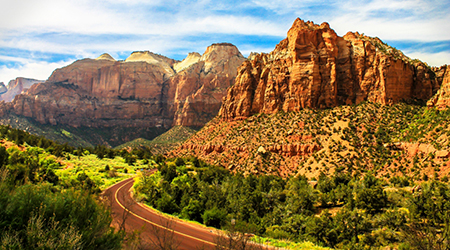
42,204
43,216
343,211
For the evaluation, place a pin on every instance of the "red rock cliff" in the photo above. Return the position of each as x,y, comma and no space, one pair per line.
201,87
315,68
145,90
442,98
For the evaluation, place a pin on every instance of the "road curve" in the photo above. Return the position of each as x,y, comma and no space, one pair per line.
132,216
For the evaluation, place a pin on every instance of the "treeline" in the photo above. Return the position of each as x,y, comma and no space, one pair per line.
339,211
38,210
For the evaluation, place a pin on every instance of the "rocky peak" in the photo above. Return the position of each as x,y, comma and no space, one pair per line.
252,55
152,58
216,54
106,56
201,86
144,91
442,98
192,58
315,68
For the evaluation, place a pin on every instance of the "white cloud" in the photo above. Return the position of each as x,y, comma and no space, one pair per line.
395,20
80,28
416,30
30,69
282,7
432,59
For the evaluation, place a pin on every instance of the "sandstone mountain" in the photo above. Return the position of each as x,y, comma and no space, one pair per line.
15,87
144,91
302,108
315,68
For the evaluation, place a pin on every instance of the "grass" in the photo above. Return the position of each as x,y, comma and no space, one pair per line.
284,244
104,172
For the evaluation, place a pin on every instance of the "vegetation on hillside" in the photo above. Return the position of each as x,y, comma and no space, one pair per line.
163,143
81,136
398,140
341,210
49,192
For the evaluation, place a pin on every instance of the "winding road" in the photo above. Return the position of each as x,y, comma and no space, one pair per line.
155,228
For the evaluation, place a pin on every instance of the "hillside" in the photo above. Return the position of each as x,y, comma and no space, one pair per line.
319,101
80,136
164,142
401,139
50,193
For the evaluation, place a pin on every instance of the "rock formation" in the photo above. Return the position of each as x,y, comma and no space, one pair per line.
315,68
200,87
105,56
442,97
15,87
145,90
3,88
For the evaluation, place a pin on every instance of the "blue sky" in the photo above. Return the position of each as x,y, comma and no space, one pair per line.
37,37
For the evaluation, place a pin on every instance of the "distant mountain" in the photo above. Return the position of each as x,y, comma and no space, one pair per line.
15,87
143,92
163,143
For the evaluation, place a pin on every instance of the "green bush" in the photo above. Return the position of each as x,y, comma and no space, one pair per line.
32,211
214,217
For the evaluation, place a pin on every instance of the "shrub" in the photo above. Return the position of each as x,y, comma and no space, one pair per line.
214,217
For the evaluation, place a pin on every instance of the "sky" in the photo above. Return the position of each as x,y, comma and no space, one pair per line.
36,37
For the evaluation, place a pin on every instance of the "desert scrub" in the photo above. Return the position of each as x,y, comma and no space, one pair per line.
95,169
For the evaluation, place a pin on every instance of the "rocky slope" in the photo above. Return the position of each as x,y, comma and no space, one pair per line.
442,98
315,68
389,140
15,87
146,90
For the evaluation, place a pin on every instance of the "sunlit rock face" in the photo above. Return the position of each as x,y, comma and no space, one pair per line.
145,90
315,68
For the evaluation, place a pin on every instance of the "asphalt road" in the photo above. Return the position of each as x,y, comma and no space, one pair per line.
154,228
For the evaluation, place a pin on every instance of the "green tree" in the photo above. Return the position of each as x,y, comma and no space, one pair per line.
370,195
214,217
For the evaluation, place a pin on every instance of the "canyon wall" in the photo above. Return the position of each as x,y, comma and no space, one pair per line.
145,90
315,68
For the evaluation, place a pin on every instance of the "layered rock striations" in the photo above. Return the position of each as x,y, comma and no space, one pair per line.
201,87
315,68
145,90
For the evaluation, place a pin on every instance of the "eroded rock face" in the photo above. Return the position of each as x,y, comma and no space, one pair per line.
442,98
145,90
15,87
315,68
201,87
